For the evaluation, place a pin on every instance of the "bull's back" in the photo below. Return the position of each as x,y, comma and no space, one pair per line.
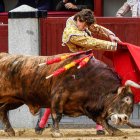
22,77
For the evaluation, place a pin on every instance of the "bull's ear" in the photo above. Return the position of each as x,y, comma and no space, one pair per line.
120,90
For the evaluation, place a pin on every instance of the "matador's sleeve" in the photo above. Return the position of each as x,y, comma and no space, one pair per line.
86,43
100,31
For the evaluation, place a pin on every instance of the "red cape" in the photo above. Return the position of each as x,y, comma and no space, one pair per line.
127,64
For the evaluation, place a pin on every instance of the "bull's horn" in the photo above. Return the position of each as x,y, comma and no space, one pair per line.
132,83
120,89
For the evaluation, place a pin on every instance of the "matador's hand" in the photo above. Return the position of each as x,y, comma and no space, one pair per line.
114,38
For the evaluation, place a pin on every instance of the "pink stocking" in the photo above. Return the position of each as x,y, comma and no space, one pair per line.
99,127
44,118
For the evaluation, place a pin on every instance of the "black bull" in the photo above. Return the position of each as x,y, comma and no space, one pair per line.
94,91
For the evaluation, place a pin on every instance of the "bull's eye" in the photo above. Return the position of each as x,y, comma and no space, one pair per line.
127,100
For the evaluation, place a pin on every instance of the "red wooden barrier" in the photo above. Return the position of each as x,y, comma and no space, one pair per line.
3,32
4,18
3,37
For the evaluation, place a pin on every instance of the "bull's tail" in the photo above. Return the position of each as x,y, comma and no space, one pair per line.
133,125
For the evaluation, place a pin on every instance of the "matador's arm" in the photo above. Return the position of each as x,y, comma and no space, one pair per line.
100,31
86,43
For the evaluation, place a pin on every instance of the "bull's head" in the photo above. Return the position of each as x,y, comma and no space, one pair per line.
122,105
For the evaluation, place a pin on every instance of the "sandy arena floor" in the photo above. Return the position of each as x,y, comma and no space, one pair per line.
71,134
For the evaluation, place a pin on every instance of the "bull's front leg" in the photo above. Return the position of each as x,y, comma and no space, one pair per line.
56,117
111,130
56,111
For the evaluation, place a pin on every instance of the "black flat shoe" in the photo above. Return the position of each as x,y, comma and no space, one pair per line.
100,132
38,130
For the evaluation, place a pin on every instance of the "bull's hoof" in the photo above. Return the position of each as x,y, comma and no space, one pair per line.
100,132
38,130
118,133
57,134
10,132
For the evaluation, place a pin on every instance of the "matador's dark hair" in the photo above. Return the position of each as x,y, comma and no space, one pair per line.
86,15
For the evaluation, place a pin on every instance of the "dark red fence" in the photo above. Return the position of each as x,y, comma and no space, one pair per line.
4,18
3,37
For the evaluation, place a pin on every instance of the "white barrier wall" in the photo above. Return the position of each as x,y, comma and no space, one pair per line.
23,33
